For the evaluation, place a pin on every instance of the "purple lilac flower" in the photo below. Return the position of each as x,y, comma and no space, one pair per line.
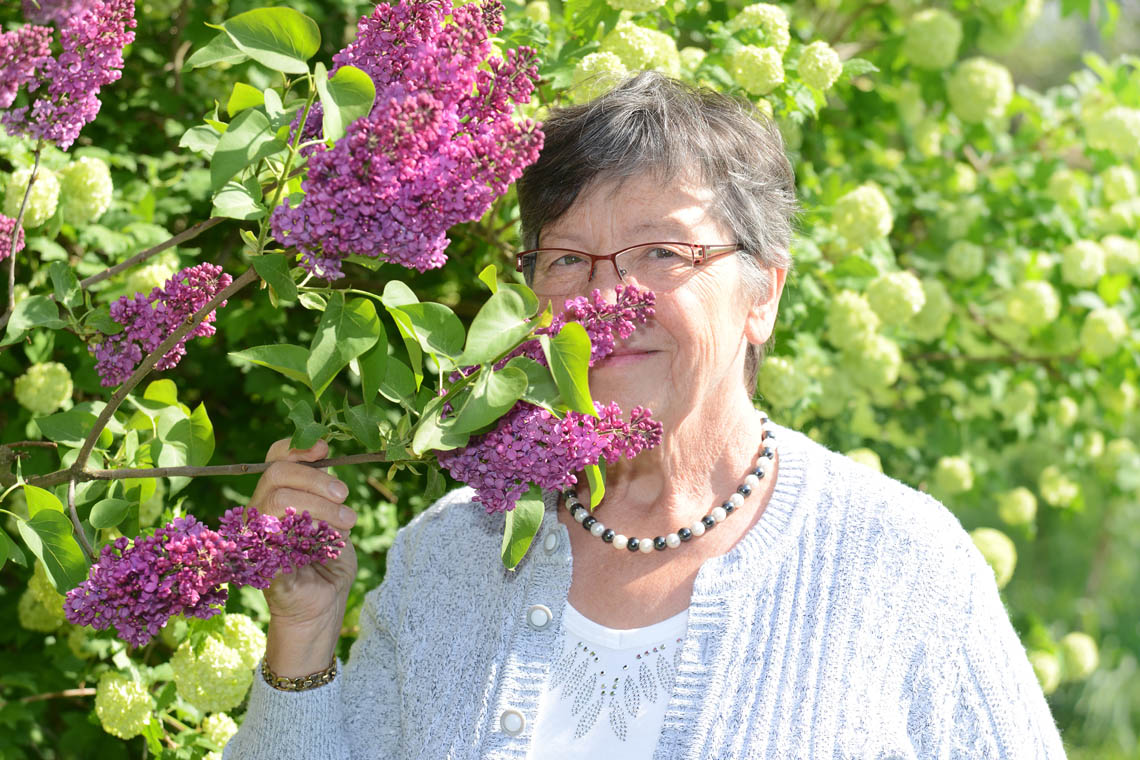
7,225
138,585
66,88
51,11
438,147
531,445
149,320
22,52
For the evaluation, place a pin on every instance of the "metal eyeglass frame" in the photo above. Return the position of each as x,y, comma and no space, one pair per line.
700,254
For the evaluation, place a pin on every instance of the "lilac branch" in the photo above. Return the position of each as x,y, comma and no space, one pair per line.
75,521
16,236
187,234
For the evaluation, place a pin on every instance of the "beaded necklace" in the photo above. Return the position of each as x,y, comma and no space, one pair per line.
763,468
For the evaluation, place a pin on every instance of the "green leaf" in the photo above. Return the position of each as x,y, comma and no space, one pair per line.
100,319
347,330
33,311
65,284
10,549
312,301
373,365
596,477
854,67
163,391
280,38
364,422
541,390
490,277
432,433
68,428
40,499
201,437
248,139
436,484
220,49
395,295
399,385
307,431
500,325
568,354
108,513
345,97
492,395
237,200
274,108
49,537
436,328
583,16
201,139
274,269
287,359
521,526
243,96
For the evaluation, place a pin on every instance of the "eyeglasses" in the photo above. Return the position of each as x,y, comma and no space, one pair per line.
656,266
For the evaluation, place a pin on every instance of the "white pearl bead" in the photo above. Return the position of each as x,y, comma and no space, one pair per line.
736,499
597,529
752,482
620,541
765,465
672,540
581,514
718,514
645,545
698,528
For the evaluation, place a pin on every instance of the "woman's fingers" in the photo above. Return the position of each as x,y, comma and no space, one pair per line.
301,477
319,508
279,451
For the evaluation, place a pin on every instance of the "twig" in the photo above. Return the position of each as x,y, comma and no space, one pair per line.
61,476
65,694
187,234
75,521
31,444
16,236
150,360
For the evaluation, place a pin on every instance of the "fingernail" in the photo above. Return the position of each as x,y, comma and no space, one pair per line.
338,490
347,516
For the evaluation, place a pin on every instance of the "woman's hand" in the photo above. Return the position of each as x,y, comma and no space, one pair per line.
307,605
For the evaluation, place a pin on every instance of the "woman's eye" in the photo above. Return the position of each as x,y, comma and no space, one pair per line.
567,260
661,253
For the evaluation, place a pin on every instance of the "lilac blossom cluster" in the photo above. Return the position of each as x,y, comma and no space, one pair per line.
50,11
531,445
136,586
8,227
65,88
438,147
149,320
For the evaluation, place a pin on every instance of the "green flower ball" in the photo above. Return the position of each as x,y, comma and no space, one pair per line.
931,320
1047,668
85,190
1118,398
1104,332
215,679
867,458
538,10
245,637
1017,507
759,70
1066,411
820,66
1056,488
1116,130
965,260
780,382
1019,400
768,22
862,215
41,203
595,75
642,48
34,615
1121,255
1082,263
1118,183
123,706
928,137
43,388
1033,303
872,362
953,475
1079,656
1120,454
219,728
932,39
1066,187
636,6
979,89
896,297
999,551
963,179
691,58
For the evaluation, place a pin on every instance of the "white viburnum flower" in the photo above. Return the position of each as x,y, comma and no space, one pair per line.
979,89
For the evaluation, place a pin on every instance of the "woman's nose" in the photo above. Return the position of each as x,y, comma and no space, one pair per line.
604,276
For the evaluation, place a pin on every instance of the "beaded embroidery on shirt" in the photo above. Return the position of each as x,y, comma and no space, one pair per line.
621,696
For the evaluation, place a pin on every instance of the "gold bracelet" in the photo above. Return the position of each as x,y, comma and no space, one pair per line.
303,683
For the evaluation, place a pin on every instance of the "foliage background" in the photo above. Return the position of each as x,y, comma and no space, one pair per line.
1076,567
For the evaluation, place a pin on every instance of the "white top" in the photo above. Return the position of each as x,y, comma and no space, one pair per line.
608,689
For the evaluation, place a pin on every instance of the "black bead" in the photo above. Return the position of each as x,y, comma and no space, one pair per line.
744,489
589,521
632,545
574,509
659,543
769,452
608,535
708,521
685,534
728,506
758,473
768,434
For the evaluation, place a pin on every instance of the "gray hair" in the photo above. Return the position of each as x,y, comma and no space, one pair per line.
654,123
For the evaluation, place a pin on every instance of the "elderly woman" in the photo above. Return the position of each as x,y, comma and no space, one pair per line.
741,591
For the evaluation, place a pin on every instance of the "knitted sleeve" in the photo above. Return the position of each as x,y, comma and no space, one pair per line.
356,716
994,706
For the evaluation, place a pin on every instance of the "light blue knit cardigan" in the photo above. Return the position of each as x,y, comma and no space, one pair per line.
855,620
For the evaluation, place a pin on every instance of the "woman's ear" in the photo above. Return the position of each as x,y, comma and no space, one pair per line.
761,319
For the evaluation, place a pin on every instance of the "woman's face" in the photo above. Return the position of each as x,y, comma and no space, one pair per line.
692,352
